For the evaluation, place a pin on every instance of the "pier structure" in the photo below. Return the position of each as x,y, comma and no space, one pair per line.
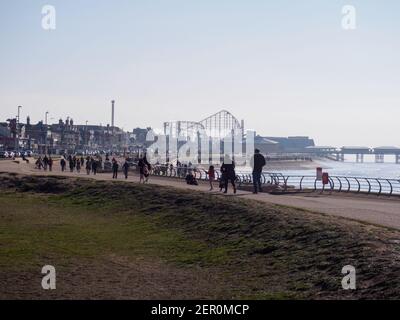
360,152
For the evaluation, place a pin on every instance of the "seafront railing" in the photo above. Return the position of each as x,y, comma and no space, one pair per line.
378,186
291,183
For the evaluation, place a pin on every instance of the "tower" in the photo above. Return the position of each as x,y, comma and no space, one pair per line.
112,113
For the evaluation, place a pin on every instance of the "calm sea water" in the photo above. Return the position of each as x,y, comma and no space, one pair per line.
349,168
369,168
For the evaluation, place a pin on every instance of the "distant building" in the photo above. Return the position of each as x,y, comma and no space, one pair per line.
266,145
139,136
283,144
6,139
62,137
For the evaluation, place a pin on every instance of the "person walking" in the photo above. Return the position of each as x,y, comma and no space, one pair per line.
257,162
78,166
228,172
45,163
115,167
50,162
125,167
63,164
71,165
144,168
39,163
88,165
94,166
74,160
211,177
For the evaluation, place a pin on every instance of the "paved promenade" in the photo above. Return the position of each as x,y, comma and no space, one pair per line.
379,211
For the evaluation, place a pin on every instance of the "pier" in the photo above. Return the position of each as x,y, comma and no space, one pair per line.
358,152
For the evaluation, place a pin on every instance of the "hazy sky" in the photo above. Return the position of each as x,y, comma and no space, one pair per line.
286,67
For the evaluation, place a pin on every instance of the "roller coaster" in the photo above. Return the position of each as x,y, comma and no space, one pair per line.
218,126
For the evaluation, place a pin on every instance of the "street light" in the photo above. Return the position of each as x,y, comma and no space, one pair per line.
86,140
17,133
45,139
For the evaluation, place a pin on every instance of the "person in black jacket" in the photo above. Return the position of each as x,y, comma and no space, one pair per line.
228,173
88,165
125,167
257,163
94,166
71,164
115,167
63,164
144,169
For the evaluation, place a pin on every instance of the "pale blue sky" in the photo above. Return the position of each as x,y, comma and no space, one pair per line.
286,67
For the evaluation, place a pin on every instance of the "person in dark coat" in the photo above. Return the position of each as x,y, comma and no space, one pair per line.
94,166
125,167
78,166
144,169
257,163
63,164
115,167
228,173
50,162
39,163
45,162
74,159
71,165
88,165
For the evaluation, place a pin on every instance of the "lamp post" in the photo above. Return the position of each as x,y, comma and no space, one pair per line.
45,139
86,142
17,129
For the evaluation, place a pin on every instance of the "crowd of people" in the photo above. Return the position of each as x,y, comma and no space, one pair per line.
76,163
228,173
44,163
93,163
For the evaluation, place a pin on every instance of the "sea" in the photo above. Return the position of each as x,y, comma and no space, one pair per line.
350,168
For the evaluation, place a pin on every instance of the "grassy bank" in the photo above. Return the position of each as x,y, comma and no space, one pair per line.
122,240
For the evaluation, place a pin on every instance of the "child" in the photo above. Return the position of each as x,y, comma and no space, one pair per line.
211,176
146,174
221,183
222,179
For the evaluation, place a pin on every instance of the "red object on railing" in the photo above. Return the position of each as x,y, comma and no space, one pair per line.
325,178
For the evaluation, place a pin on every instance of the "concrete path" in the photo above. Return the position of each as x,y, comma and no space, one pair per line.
379,211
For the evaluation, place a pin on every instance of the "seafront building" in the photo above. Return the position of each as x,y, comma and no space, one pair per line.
68,137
